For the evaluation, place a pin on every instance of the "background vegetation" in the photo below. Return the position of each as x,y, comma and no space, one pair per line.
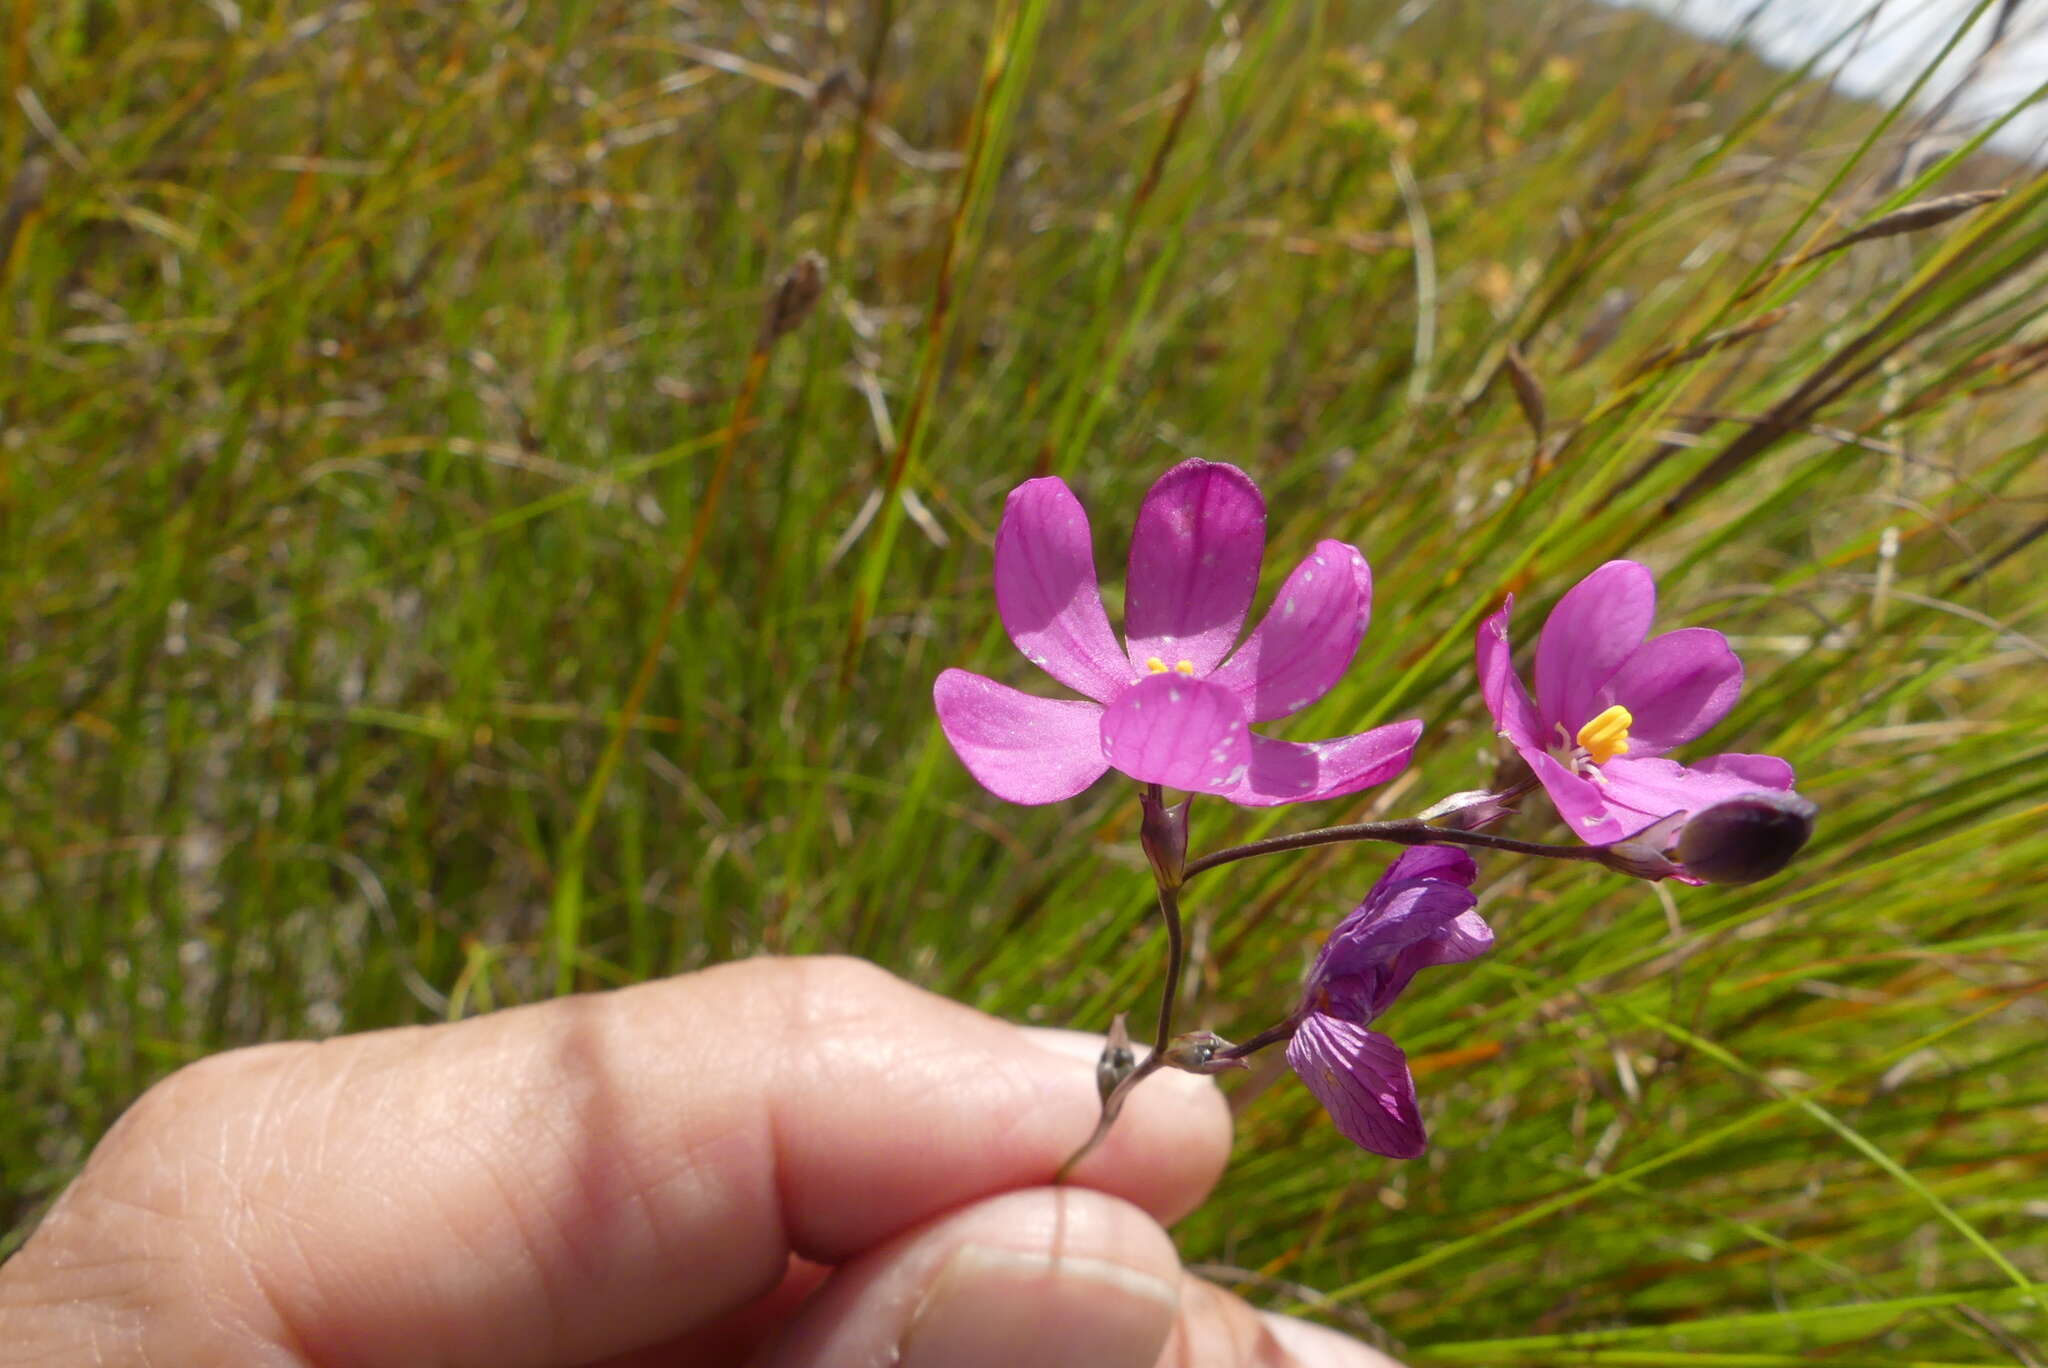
374,373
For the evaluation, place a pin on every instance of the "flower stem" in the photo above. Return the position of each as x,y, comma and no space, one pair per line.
1166,875
1272,1035
1176,952
1407,831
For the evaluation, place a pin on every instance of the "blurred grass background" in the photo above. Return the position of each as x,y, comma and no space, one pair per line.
370,369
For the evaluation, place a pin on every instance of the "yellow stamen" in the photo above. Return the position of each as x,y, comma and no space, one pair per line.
1155,664
1186,667
1606,736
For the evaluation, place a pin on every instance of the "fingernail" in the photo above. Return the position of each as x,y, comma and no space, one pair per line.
1021,1310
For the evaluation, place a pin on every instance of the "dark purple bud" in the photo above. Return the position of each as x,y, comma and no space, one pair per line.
1197,1052
1164,835
1745,839
1118,1059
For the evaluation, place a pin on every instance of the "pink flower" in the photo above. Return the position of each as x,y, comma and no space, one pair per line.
1176,707
1609,704
1418,914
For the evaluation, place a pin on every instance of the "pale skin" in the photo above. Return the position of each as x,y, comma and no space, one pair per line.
779,1164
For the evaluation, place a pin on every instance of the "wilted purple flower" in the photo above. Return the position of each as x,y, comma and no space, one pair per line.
1418,914
1176,707
1610,703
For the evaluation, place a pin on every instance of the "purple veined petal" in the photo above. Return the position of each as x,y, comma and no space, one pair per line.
1180,732
1023,749
1591,633
1384,931
1194,565
1047,594
1307,639
1362,1080
1514,714
1674,687
1443,862
1419,897
1656,788
1584,803
1293,772
1465,936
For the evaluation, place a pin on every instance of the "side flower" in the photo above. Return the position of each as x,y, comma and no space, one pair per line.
1175,704
1611,700
1419,913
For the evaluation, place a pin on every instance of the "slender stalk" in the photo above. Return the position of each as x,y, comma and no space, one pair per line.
1407,831
1164,849
1176,952
1272,1035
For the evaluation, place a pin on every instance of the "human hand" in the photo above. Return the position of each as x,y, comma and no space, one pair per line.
798,1163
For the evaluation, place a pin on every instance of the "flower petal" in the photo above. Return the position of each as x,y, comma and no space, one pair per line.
1591,633
1194,565
1514,714
1465,936
1373,953
1289,772
1022,749
1183,733
1653,789
1444,863
1399,911
1046,590
1362,1080
1675,687
1762,771
1307,639
1584,803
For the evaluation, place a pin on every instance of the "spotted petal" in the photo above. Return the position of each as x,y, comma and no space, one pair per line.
1046,590
1194,565
1307,639
1362,1080
1592,632
1290,772
1022,749
1183,733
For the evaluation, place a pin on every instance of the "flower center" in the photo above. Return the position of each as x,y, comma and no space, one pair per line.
1158,666
1606,736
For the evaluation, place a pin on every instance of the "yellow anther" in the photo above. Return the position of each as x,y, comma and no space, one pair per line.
1155,664
1186,667
1606,736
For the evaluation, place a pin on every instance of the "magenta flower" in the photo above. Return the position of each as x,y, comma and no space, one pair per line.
1418,914
1610,703
1175,705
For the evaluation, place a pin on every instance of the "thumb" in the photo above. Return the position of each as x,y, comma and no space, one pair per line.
1060,1277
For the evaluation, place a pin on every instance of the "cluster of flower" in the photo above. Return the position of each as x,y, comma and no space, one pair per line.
1173,708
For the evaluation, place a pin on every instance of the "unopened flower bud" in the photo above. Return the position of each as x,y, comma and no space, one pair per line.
1196,1052
1117,1061
1745,839
795,296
